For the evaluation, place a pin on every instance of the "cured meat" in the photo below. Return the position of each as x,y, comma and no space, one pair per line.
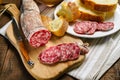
81,27
30,5
85,27
62,52
50,55
93,27
40,38
32,25
105,26
89,27
69,51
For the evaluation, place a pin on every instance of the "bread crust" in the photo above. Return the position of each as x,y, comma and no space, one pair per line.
62,29
87,16
99,7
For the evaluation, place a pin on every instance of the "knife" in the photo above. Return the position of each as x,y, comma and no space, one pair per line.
21,46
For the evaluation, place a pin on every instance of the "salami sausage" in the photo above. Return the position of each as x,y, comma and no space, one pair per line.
89,27
32,25
62,52
30,5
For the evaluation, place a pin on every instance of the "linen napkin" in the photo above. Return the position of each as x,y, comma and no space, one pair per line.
103,54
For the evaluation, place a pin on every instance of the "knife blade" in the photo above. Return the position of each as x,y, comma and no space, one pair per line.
4,28
19,39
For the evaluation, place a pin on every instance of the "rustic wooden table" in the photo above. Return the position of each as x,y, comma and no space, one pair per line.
12,68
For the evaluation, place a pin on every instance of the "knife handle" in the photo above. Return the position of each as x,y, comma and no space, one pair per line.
24,53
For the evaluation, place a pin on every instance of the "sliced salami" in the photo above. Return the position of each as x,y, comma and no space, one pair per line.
89,27
50,55
93,27
82,27
85,27
75,51
69,51
61,52
105,26
64,51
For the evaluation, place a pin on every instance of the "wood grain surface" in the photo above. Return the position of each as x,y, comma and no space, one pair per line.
12,68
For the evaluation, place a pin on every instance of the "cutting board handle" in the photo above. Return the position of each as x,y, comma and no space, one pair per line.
13,10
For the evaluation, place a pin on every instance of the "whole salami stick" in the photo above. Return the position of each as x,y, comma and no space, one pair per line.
32,25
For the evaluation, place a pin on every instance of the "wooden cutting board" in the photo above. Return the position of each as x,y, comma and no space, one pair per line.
41,71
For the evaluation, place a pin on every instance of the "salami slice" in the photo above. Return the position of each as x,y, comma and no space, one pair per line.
69,51
85,27
50,55
93,27
61,52
75,51
32,25
105,26
82,27
64,51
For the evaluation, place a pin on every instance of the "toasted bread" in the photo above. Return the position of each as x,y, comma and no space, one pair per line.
88,14
101,5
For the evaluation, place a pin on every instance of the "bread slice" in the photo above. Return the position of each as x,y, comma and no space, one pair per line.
88,14
101,5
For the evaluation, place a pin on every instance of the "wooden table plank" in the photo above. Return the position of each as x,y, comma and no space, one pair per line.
113,73
3,51
13,67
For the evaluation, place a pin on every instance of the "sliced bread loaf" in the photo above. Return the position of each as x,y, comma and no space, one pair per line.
101,5
88,14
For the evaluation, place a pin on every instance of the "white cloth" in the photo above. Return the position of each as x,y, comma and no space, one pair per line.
104,52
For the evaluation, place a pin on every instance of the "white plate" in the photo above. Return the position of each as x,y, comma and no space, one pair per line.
115,19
